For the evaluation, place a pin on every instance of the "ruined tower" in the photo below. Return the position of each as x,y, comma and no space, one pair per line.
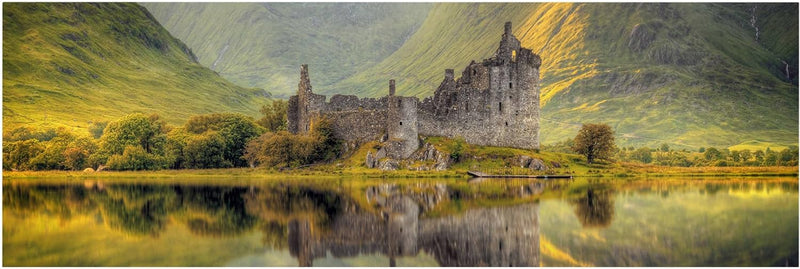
495,102
401,124
304,105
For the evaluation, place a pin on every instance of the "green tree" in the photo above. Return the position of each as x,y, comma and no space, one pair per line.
17,155
745,155
274,116
52,158
96,128
712,153
326,146
664,147
735,156
134,130
136,158
759,155
595,141
77,152
206,151
771,158
642,155
701,150
235,129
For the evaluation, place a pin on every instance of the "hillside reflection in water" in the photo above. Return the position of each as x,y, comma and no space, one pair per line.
360,222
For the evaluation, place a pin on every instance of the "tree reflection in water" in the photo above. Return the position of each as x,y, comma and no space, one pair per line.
309,220
595,209
314,221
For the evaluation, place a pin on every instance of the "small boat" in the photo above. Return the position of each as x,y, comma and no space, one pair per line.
483,175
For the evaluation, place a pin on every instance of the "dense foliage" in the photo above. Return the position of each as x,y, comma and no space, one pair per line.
134,142
284,149
274,116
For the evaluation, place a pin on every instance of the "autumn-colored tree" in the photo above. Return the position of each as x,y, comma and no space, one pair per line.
595,141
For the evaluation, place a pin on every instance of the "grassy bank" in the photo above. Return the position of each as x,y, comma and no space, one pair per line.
492,160
626,170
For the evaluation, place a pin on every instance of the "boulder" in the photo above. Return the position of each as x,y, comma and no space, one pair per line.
524,161
537,164
370,160
389,165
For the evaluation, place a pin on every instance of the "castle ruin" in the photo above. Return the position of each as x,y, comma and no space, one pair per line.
493,103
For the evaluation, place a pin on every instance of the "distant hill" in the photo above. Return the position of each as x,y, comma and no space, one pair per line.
66,64
688,75
263,44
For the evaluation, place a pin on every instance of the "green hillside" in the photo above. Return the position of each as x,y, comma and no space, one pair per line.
689,75
66,64
263,44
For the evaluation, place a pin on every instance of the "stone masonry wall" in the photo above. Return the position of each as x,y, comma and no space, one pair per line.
494,102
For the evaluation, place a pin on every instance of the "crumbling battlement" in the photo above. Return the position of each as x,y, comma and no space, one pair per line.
494,102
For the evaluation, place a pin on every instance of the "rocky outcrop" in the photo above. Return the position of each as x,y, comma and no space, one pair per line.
531,163
428,152
431,159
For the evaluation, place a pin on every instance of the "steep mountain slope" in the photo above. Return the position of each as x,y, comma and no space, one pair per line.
263,44
689,75
66,64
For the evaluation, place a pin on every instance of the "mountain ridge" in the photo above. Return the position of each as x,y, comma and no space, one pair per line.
646,69
263,44
69,64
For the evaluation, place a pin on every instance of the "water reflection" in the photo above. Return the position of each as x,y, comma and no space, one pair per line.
595,209
310,221
490,223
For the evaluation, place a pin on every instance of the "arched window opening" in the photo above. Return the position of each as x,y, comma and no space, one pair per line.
500,106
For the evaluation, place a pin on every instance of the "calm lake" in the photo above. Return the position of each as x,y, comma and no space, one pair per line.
408,222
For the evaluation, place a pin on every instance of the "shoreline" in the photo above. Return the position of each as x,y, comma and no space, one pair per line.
261,173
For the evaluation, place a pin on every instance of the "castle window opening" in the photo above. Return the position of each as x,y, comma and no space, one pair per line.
500,106
506,123
514,55
510,85
401,123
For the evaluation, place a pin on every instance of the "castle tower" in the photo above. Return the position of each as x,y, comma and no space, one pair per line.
301,106
401,124
494,102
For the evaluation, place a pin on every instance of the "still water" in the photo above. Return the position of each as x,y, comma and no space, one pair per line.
410,222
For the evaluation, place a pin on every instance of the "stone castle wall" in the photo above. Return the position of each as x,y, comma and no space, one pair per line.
494,102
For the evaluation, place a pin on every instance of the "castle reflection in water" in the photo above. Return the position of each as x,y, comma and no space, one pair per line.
308,220
500,236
